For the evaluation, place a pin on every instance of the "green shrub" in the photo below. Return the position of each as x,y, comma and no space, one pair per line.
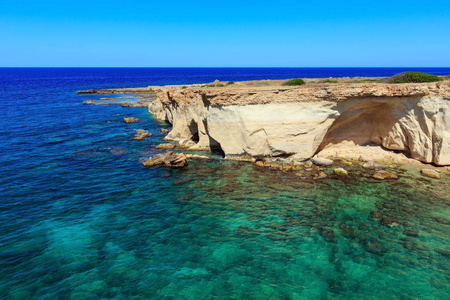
329,81
230,82
296,81
184,87
220,85
407,77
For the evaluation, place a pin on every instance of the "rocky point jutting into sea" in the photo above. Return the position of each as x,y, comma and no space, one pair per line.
250,123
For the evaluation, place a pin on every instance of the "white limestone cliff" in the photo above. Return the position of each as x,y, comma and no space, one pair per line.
299,122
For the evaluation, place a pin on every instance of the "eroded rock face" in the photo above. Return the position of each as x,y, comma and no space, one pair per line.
254,123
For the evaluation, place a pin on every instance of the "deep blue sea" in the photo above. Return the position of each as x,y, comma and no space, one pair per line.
81,218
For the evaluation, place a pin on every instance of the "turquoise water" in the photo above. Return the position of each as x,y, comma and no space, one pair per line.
82,219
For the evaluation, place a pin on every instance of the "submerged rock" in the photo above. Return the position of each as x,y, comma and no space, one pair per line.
322,161
376,214
327,234
169,159
340,172
118,151
374,246
381,175
441,220
411,232
390,222
130,119
430,173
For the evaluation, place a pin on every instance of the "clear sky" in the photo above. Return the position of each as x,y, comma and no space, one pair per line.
224,33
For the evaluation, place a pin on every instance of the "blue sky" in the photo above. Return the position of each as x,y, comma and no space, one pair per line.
224,34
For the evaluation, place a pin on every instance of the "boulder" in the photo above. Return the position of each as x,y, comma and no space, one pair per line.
381,175
378,166
430,173
340,172
322,175
169,159
187,143
368,164
130,119
322,161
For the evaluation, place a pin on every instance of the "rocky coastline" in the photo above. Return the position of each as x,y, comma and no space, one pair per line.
278,126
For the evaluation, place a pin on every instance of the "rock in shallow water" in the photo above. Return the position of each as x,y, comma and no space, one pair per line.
381,175
130,119
165,146
142,134
340,172
430,173
322,161
170,159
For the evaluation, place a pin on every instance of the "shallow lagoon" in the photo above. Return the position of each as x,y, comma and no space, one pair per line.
82,219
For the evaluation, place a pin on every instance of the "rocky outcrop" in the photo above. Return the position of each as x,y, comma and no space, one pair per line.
130,120
299,122
169,159
141,134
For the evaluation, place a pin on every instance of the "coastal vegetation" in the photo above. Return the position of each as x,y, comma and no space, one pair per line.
295,81
329,81
380,80
408,77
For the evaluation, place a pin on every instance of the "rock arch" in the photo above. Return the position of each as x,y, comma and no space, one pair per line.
365,123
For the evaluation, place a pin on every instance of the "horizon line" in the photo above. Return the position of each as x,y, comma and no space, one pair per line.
225,67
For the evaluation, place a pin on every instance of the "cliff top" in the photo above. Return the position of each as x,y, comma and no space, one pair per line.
273,91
